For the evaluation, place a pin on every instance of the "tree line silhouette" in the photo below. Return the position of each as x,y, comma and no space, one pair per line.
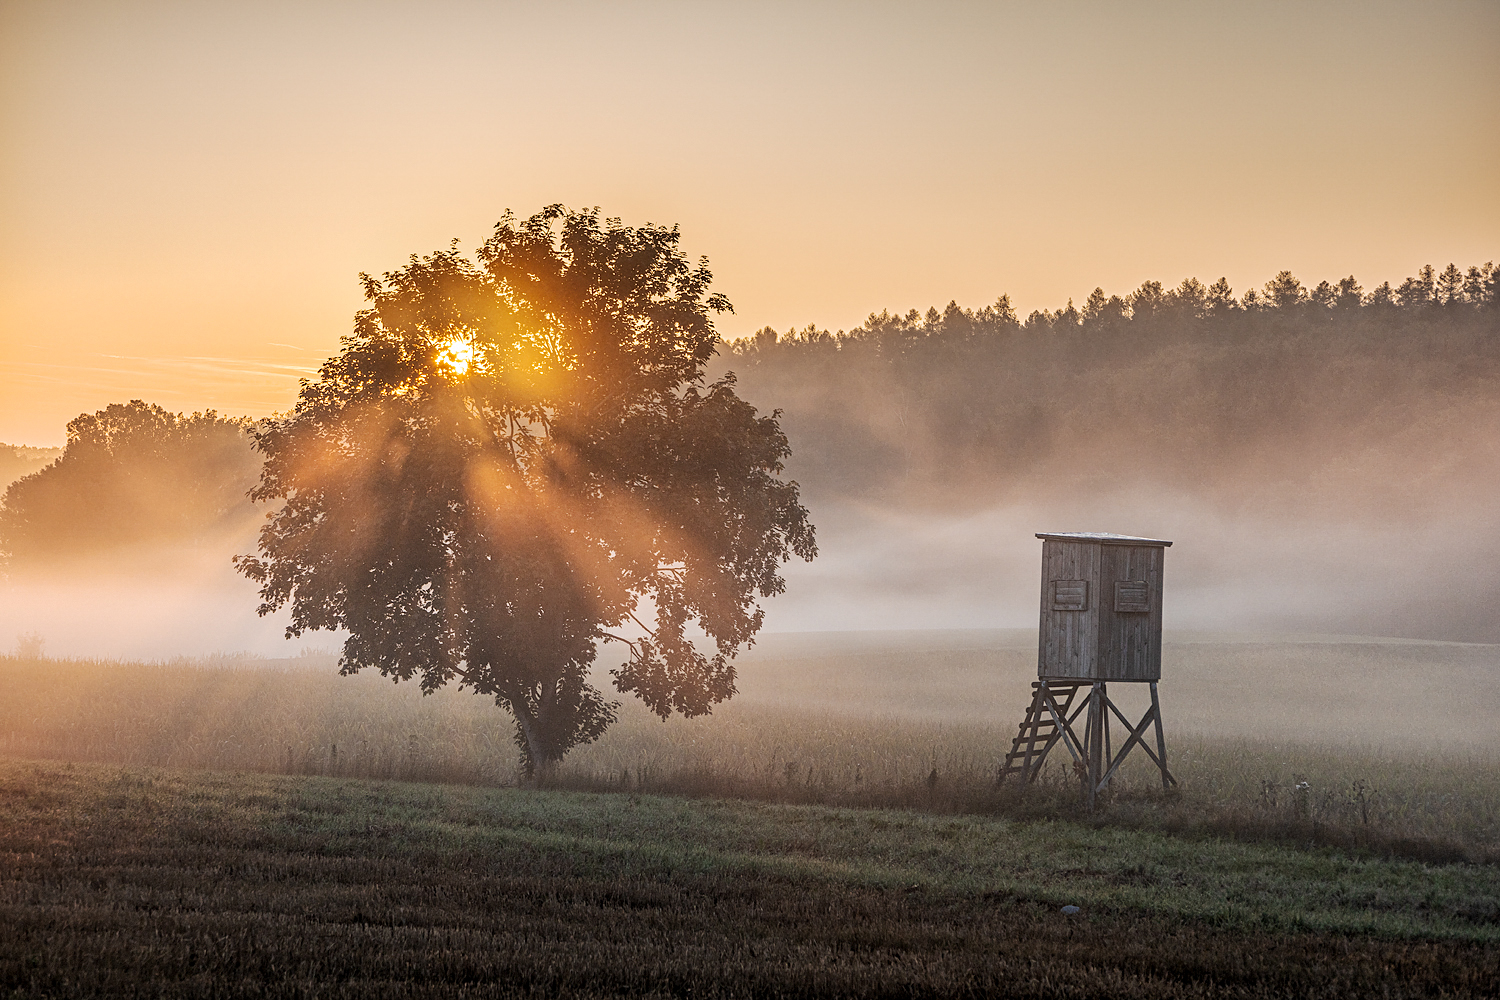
1188,386
1252,398
19,460
131,474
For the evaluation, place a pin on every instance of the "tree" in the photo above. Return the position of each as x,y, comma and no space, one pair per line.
1350,295
1191,297
1418,292
1449,288
957,323
1220,298
509,459
1067,318
1000,316
1147,300
18,460
1284,291
1479,286
1040,319
1104,311
1093,306
1381,297
132,473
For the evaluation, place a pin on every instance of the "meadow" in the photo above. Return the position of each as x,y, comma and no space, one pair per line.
1336,740
147,882
236,826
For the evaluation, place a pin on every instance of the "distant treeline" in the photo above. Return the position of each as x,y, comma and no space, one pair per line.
132,473
1380,401
1190,387
17,460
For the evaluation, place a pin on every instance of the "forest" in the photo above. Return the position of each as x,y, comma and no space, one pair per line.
1370,404
132,474
1286,394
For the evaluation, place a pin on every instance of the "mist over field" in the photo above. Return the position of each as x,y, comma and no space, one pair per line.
1323,465
1319,467
120,546
1436,578
177,604
892,569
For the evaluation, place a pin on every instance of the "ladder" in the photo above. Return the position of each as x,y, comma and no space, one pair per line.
1048,719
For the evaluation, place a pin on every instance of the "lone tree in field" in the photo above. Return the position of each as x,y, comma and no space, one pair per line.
511,459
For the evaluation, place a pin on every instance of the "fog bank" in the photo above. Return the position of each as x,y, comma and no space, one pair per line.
883,568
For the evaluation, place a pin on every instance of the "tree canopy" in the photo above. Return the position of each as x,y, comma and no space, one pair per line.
19,460
132,473
511,459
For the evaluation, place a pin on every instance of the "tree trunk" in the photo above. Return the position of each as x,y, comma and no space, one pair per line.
540,764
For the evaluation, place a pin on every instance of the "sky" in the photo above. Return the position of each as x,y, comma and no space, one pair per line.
188,191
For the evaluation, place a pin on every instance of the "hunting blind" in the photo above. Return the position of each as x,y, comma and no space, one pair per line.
1100,622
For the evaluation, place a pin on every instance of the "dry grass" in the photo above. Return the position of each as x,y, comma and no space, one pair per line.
914,721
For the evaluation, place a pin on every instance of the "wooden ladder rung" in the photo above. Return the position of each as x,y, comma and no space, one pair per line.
1040,730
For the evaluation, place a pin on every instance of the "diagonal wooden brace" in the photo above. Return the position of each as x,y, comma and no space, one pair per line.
1137,736
1064,724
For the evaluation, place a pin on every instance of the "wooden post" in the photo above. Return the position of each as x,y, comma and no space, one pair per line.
1095,741
1161,742
1108,750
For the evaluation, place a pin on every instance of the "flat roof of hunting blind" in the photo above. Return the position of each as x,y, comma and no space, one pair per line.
1105,537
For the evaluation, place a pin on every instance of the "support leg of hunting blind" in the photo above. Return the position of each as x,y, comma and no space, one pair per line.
1161,743
1093,739
1049,720
1137,736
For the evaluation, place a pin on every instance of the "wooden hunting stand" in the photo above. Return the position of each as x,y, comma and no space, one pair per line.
1101,622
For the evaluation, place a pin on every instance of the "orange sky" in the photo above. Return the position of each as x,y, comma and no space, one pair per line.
188,190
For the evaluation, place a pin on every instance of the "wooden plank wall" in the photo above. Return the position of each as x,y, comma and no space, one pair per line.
1069,645
1129,641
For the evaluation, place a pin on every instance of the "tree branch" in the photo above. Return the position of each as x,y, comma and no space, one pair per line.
649,631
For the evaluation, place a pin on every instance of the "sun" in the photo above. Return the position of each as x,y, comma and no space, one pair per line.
459,355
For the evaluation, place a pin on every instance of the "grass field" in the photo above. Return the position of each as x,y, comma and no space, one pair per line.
143,882
1339,741
212,827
